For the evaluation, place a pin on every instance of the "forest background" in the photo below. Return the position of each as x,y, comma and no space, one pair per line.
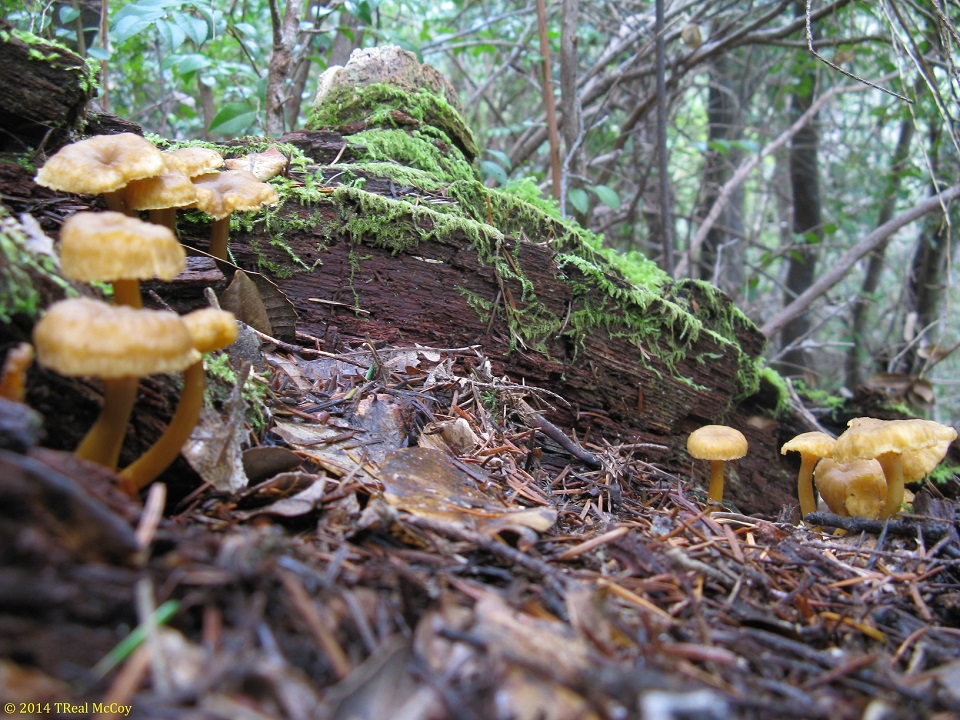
794,160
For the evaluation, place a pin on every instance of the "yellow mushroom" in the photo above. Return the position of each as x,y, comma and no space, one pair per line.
888,441
812,446
162,194
853,489
101,165
220,194
120,344
210,330
112,247
716,443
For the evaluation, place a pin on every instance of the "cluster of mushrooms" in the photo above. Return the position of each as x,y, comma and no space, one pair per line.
120,342
862,473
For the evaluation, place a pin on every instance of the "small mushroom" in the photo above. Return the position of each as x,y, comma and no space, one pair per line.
101,165
112,247
812,446
195,161
85,337
716,443
210,330
853,489
13,372
888,441
162,194
223,193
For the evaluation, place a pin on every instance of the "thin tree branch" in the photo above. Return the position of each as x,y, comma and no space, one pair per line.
809,30
548,100
663,160
745,169
846,261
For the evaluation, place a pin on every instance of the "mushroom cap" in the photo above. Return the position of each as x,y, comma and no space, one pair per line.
170,189
716,442
81,336
107,246
869,438
196,160
853,489
211,329
221,193
815,443
100,164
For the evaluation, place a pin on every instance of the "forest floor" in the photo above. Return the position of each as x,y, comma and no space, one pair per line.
412,546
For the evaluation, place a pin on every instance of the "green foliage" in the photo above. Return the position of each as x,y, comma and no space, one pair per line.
255,392
20,261
944,473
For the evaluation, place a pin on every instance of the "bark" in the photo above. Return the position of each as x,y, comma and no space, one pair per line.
871,281
721,261
43,92
807,228
284,36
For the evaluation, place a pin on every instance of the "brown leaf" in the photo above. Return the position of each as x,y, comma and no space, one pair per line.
243,299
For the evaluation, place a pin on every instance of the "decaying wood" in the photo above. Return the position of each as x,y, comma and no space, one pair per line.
48,94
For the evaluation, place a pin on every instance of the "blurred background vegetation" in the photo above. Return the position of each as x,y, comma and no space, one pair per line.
788,134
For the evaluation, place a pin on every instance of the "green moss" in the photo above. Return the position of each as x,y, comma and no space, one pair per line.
944,473
402,176
415,149
377,105
223,378
20,264
835,404
779,384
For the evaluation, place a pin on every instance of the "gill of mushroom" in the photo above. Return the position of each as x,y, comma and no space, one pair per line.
101,165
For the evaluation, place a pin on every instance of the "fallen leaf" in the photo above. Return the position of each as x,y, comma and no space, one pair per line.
260,463
308,491
214,447
264,165
455,435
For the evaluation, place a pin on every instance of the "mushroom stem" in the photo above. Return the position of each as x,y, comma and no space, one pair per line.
893,471
103,441
219,234
715,491
127,292
166,217
164,451
115,202
808,503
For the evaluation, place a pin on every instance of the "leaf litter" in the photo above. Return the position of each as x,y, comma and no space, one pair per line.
403,540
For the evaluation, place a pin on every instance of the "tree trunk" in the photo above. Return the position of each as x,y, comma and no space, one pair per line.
871,281
807,229
285,22
722,257
925,283
572,127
